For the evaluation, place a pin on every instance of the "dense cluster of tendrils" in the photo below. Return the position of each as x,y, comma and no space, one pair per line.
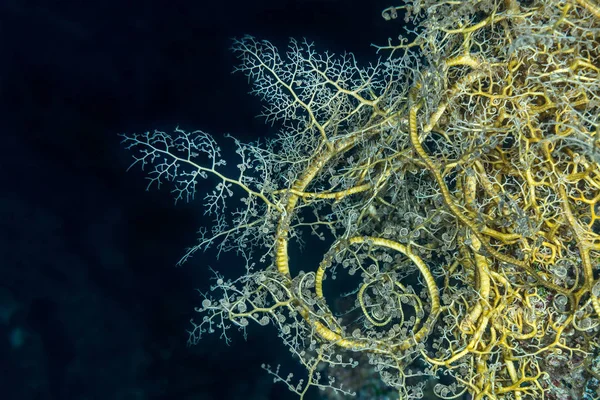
457,186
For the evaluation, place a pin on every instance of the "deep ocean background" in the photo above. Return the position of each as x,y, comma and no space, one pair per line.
92,305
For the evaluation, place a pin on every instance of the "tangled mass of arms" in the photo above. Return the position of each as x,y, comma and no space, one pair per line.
455,188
